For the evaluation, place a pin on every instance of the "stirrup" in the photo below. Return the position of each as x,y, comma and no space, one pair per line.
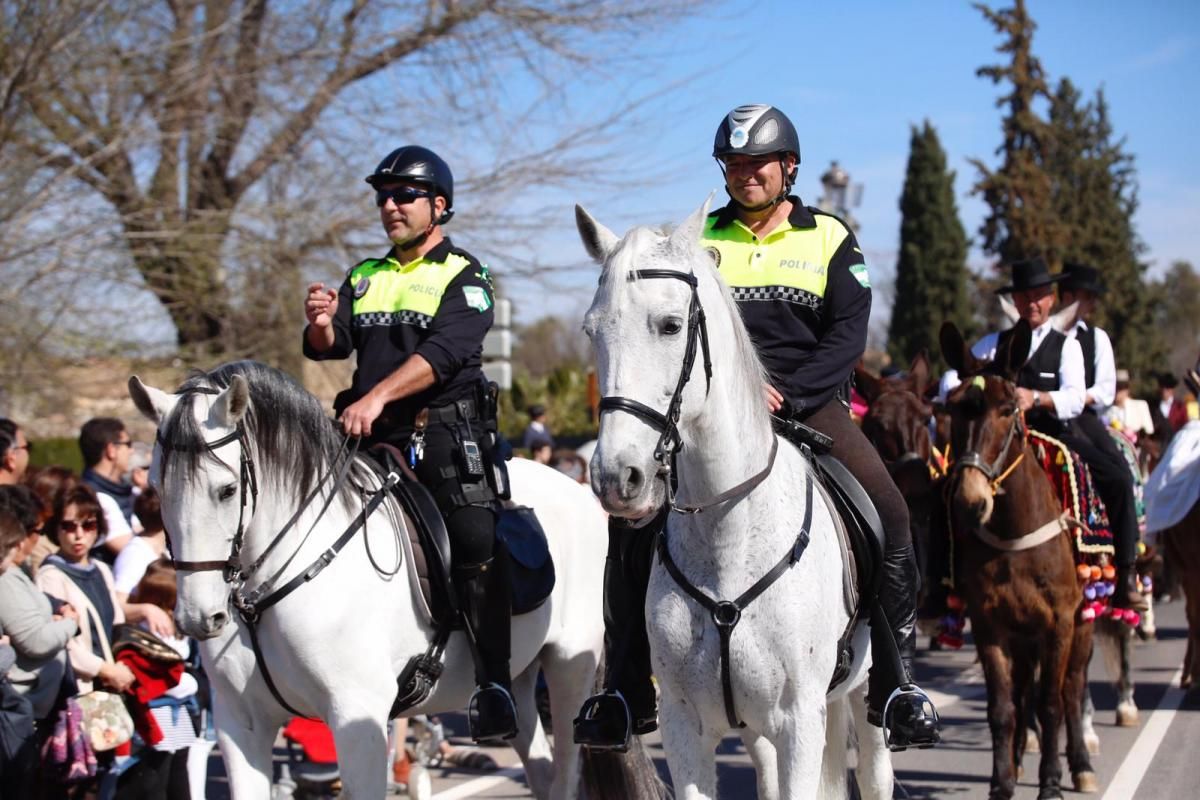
498,721
921,731
596,727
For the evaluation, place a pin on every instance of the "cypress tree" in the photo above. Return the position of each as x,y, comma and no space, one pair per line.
1094,187
1020,222
931,272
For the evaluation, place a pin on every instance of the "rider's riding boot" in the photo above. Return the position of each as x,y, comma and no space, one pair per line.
894,700
486,599
1127,593
627,706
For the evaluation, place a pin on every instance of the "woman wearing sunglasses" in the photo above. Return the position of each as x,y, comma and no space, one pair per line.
72,575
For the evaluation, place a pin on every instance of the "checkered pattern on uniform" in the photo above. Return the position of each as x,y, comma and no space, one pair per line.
371,319
788,294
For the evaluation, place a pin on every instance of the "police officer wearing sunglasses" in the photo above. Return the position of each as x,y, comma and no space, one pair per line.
417,318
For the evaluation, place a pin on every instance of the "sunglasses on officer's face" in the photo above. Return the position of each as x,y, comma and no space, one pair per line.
399,195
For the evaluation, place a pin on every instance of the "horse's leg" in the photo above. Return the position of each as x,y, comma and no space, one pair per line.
690,748
1127,710
764,756
798,749
1091,739
1002,716
874,775
361,737
1191,658
1024,696
247,752
569,678
1056,651
1076,697
530,741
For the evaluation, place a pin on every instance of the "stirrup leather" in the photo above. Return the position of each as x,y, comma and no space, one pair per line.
491,695
928,720
598,712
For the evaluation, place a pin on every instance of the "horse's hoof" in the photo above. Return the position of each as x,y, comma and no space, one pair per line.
1050,793
1092,741
1127,716
1032,744
1085,782
1020,772
420,785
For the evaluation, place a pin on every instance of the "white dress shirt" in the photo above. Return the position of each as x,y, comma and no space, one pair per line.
1068,399
1105,387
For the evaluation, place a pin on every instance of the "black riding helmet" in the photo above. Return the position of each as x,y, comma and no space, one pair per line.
419,165
758,130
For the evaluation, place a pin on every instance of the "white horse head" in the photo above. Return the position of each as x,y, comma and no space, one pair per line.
211,435
660,296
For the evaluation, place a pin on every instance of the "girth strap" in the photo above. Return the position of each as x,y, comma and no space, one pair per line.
727,613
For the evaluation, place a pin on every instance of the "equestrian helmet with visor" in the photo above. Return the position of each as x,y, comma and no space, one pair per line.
421,166
758,130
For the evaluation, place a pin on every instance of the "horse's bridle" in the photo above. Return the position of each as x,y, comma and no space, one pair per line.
995,472
669,440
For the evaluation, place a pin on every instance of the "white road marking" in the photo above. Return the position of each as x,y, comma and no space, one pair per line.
472,788
1137,761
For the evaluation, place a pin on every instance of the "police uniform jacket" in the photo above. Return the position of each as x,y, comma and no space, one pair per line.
439,306
804,296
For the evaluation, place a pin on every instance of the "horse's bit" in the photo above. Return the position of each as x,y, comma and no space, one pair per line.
669,441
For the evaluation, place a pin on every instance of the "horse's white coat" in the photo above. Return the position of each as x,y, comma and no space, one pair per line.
335,646
783,650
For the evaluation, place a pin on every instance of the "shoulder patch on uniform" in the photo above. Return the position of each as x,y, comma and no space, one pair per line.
716,256
477,298
485,274
360,288
859,271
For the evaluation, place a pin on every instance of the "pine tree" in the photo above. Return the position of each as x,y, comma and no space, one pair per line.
1020,222
1094,189
931,272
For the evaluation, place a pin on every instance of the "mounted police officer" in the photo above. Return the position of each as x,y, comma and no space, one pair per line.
1064,398
417,318
801,283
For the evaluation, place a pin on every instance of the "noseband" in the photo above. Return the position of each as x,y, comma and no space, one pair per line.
973,460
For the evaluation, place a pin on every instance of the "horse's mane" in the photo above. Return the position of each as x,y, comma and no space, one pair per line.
291,434
644,247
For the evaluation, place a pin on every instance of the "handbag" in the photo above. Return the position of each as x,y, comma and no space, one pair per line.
67,756
106,721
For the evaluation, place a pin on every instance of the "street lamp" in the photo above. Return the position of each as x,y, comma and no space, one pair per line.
839,195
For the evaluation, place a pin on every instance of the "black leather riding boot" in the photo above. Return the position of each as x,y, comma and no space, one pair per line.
486,596
628,705
894,700
1126,592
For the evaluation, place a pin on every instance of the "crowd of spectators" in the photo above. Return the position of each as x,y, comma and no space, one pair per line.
66,615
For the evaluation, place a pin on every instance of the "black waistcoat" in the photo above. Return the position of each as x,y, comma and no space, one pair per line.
1041,373
1086,336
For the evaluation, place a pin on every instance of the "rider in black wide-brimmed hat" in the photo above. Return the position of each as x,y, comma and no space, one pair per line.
1029,274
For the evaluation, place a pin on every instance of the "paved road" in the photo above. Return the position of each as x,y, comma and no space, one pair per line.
1159,759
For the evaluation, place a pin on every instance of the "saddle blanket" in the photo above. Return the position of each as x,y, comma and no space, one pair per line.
1174,486
1072,482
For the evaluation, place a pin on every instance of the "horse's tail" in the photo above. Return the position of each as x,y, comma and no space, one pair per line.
607,775
835,764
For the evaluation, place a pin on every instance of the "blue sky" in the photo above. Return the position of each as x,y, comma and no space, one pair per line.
854,76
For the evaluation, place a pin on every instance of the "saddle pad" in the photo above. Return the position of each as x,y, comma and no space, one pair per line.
850,584
1072,481
1130,454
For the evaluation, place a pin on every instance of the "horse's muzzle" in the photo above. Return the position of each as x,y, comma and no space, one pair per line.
206,627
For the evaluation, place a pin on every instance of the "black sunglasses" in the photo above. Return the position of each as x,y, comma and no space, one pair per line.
27,447
399,195
70,525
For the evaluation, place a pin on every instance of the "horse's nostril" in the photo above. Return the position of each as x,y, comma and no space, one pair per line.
218,620
631,483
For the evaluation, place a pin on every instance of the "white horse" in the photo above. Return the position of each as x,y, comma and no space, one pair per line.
645,326
240,450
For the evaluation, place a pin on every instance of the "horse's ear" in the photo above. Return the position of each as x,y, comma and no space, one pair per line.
954,349
1064,319
1015,351
231,405
919,372
154,404
598,240
1010,309
867,384
687,234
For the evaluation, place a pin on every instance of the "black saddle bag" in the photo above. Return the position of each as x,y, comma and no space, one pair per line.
532,568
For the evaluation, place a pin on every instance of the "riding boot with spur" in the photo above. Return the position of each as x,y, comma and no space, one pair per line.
628,705
486,596
894,700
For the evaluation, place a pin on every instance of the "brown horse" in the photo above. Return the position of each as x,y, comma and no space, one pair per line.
1016,570
1182,545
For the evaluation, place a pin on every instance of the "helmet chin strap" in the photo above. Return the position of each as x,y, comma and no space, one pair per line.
420,238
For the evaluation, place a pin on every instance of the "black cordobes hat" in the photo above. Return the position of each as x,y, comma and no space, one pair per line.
1029,274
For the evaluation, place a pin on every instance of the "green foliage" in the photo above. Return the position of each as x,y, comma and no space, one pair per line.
1175,301
1020,222
58,452
931,272
564,394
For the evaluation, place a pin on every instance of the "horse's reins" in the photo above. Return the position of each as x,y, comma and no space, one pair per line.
669,441
251,605
995,472
725,613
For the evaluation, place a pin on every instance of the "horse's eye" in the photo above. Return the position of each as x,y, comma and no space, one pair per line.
671,326
227,492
